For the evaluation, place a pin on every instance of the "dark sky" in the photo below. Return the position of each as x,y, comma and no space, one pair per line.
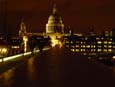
79,14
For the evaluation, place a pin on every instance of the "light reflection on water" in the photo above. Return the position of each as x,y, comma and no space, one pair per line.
6,78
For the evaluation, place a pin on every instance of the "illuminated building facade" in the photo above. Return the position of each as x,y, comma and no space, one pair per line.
90,44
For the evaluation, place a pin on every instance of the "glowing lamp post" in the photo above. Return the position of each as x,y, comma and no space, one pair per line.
25,40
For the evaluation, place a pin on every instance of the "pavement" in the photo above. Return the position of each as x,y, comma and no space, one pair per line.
58,67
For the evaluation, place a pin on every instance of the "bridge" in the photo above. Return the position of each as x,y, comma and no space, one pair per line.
56,67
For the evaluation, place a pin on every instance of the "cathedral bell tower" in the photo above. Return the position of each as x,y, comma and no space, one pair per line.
22,31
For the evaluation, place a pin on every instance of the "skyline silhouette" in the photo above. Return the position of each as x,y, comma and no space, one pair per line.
80,14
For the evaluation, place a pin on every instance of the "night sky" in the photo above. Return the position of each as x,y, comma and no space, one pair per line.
79,14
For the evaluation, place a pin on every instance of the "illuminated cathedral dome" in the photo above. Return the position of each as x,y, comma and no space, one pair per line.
54,18
54,24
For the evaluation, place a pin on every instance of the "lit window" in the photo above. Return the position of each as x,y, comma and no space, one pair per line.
99,46
99,42
73,50
97,38
110,50
83,46
77,45
102,38
113,46
113,57
106,34
105,50
71,41
105,46
92,50
86,38
109,46
99,50
83,49
67,41
15,47
88,46
77,50
92,46
109,42
105,42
